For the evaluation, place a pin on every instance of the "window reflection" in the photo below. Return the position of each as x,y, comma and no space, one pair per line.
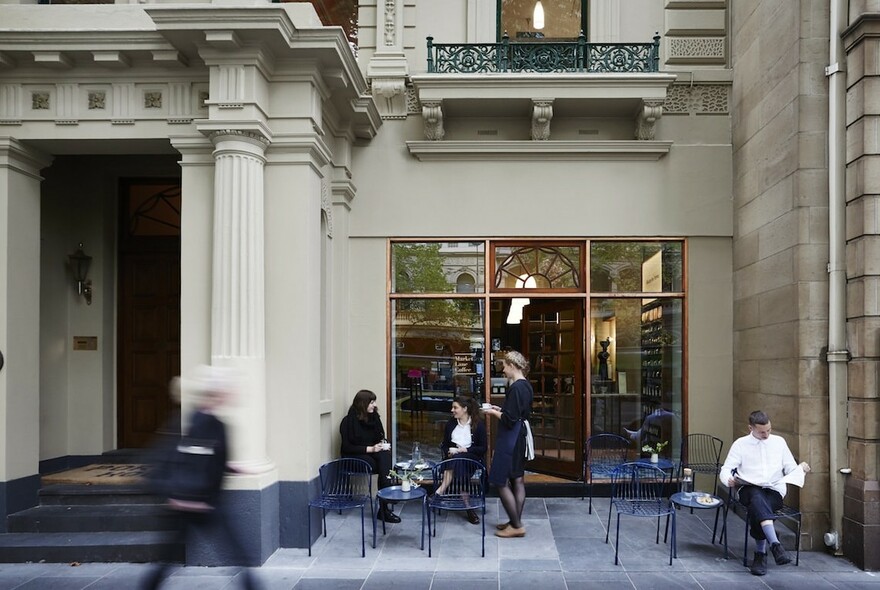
438,267
438,351
635,267
637,373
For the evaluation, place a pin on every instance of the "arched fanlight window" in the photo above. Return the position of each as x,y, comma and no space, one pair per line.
545,267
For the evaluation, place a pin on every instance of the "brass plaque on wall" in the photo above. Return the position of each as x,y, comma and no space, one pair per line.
85,343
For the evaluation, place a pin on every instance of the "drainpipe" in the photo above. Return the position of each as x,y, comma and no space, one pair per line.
838,355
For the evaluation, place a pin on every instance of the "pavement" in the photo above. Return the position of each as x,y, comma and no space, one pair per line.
564,549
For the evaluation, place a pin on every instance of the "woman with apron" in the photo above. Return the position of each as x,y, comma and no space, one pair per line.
509,460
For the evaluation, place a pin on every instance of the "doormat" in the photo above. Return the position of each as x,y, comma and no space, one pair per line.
103,474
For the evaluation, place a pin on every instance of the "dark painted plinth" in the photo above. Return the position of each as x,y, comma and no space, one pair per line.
18,494
861,523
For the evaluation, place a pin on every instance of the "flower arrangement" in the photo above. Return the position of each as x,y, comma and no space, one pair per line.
655,448
407,477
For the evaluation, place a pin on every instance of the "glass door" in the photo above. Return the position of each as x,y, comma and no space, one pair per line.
552,340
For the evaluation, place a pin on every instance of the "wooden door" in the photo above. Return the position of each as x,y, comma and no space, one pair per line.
149,307
552,340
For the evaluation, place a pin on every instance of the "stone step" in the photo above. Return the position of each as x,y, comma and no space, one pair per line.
75,494
110,547
92,518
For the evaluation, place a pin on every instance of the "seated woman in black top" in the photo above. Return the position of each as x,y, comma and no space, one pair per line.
464,436
363,437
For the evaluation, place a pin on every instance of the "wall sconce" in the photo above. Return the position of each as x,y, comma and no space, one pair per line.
538,15
79,263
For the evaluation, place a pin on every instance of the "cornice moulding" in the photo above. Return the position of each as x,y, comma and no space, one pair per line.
561,150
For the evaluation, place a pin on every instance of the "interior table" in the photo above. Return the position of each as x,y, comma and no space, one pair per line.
394,494
704,501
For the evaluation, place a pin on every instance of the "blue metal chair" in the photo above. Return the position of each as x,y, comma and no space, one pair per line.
467,491
345,484
603,453
639,490
702,454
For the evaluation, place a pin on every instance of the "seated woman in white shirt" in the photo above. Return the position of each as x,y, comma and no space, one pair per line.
464,436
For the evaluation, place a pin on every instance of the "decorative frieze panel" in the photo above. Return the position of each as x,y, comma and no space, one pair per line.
390,22
230,87
66,111
701,99
703,50
121,104
10,104
413,106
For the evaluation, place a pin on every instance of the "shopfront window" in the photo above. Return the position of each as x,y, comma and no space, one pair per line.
437,349
601,323
637,370
438,267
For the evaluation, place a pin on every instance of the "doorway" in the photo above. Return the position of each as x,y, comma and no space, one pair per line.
552,341
149,306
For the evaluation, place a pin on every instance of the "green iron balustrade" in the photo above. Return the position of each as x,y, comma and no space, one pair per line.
543,56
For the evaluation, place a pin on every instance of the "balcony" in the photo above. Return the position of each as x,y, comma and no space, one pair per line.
499,101
542,57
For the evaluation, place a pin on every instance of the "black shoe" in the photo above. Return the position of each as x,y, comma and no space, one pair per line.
780,554
386,515
472,517
759,564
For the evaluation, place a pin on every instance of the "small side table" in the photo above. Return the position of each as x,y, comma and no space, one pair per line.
664,464
393,494
681,500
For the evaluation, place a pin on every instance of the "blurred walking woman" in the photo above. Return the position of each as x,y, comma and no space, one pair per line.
509,460
363,437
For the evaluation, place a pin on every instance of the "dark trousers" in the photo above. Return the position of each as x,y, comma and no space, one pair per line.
380,463
187,522
761,503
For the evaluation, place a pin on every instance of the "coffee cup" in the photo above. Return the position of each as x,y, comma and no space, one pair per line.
487,406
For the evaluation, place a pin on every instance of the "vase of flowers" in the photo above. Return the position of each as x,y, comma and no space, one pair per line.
408,478
654,450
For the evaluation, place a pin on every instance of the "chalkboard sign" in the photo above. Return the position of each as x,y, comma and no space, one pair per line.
463,363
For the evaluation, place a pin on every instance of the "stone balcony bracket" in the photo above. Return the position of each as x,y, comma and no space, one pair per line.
647,118
432,114
542,113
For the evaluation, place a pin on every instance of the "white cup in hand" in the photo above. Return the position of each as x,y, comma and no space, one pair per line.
487,406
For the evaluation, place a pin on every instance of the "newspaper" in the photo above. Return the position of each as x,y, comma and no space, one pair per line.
796,477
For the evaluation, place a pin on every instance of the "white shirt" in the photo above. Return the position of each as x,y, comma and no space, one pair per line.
461,435
761,462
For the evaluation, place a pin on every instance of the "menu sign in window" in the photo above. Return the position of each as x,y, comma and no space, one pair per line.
463,363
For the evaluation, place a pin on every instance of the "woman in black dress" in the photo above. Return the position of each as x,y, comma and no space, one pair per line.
363,437
509,460
465,437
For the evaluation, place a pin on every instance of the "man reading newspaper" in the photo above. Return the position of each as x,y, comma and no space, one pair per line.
756,468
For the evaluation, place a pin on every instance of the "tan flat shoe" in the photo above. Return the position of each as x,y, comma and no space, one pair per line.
511,532
502,525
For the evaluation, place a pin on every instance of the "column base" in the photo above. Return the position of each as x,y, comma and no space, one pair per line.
252,516
861,523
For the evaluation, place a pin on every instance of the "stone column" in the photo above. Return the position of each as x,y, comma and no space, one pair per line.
238,317
19,325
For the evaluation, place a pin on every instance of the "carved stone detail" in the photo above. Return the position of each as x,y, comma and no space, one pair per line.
390,18
327,208
390,97
432,113
258,137
542,113
40,101
701,99
413,106
152,100
696,49
97,101
647,119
